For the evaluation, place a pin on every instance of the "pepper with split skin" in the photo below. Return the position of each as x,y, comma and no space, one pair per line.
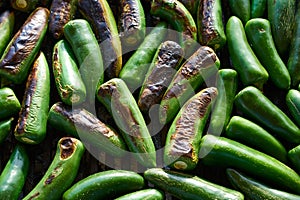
62,171
61,12
9,103
163,67
99,14
68,81
197,69
23,48
132,23
7,22
119,101
82,124
32,123
13,176
183,138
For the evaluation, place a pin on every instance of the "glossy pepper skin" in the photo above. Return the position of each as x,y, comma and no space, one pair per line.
183,138
256,106
241,9
100,16
5,128
220,151
294,157
15,62
247,132
253,189
293,103
149,194
258,8
7,22
119,101
32,122
244,60
9,103
13,176
24,5
260,38
62,171
175,13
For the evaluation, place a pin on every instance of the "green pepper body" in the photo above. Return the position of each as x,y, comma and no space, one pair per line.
13,176
7,22
281,14
82,39
5,129
69,84
293,104
245,131
99,14
163,67
244,60
62,171
252,189
258,8
9,103
293,63
135,69
32,123
294,157
149,194
105,184
210,25
260,38
185,186
132,23
118,100
241,9
175,13
226,84
223,152
255,105
82,124
23,48
191,6
197,69
61,12
183,138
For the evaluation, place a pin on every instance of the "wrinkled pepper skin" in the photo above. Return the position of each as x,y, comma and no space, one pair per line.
132,23
99,14
7,22
175,13
163,67
135,69
62,171
183,138
9,103
255,105
118,100
252,189
23,48
210,25
244,60
246,132
32,123
61,12
189,187
224,152
68,81
281,14
293,103
82,39
13,176
294,157
5,128
104,185
82,124
197,69
260,38
226,83
293,63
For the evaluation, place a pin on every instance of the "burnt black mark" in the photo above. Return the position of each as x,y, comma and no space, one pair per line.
130,16
34,196
67,147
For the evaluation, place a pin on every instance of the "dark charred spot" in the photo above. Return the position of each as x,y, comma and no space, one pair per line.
185,130
34,196
129,20
67,147
107,89
49,179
